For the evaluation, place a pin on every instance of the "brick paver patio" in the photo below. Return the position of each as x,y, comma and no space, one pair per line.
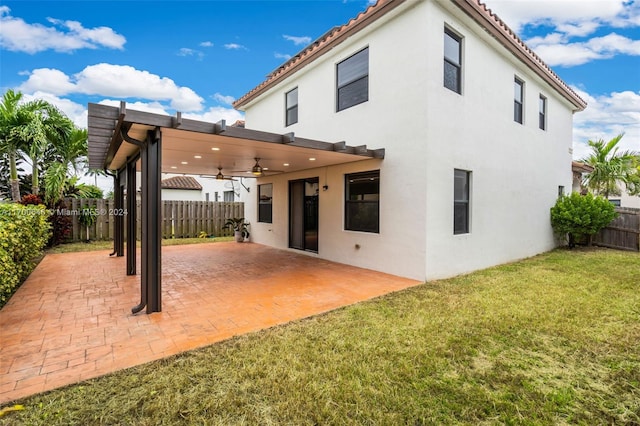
71,320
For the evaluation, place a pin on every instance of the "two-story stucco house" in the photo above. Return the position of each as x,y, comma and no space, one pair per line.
477,133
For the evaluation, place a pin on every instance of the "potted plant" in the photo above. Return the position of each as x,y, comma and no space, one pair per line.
240,228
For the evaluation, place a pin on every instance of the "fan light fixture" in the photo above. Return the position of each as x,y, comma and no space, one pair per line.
219,176
257,169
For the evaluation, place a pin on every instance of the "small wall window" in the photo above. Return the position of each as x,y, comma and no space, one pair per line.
518,101
542,114
452,61
362,201
461,188
560,191
228,196
353,80
265,205
292,106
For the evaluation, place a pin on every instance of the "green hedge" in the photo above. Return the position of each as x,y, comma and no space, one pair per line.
579,217
24,230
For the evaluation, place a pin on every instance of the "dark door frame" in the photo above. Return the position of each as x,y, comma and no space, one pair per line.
308,219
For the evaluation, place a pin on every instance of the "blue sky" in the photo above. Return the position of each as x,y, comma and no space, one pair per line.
198,56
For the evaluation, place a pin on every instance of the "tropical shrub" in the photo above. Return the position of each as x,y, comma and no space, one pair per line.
87,218
61,223
24,231
31,199
579,217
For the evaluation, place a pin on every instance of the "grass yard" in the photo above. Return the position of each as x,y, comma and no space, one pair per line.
108,245
554,339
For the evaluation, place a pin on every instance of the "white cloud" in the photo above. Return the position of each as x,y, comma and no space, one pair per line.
228,100
571,19
582,15
64,36
48,80
605,117
76,112
152,107
555,50
234,46
206,44
185,51
120,81
217,113
303,40
123,81
284,56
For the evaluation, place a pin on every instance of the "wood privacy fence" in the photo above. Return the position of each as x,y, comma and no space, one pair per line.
180,219
623,232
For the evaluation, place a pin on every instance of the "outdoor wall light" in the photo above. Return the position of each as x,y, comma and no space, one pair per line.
325,187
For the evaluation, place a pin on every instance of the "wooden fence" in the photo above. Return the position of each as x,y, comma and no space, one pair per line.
180,219
623,232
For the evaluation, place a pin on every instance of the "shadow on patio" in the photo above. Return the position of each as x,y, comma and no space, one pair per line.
71,320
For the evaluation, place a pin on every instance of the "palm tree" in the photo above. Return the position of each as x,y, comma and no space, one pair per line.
610,167
67,153
45,127
9,143
30,129
95,173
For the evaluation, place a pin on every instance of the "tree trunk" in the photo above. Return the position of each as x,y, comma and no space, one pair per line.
35,179
13,179
15,190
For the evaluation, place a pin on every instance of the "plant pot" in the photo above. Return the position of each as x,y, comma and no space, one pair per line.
239,235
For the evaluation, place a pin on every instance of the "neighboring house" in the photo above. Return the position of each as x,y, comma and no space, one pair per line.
200,188
579,171
623,200
477,133
181,188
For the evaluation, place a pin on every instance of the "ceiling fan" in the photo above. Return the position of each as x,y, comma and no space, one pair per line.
219,176
258,171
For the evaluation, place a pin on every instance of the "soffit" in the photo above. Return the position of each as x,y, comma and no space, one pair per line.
233,149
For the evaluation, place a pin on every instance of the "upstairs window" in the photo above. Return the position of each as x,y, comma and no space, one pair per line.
353,80
362,203
542,114
518,100
452,61
291,102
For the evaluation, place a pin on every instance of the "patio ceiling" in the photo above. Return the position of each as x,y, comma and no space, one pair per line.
199,148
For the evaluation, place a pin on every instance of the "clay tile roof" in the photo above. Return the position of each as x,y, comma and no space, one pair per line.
238,123
474,8
181,182
579,167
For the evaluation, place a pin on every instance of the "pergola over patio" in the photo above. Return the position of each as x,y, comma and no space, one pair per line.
124,141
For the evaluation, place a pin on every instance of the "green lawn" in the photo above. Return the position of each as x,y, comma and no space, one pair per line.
108,245
550,340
